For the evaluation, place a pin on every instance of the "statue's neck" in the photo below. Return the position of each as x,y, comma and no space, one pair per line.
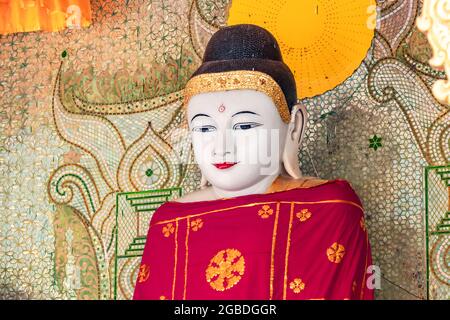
260,187
269,184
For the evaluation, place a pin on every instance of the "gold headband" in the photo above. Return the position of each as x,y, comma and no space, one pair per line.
241,79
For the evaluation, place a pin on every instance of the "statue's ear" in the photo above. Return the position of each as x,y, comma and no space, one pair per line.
294,136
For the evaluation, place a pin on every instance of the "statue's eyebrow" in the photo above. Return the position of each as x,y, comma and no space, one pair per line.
199,115
241,112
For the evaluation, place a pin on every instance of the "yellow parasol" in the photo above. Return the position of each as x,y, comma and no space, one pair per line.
322,41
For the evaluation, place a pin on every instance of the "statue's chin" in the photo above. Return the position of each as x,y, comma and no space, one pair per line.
240,177
231,186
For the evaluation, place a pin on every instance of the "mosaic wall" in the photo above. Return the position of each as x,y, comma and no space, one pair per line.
90,119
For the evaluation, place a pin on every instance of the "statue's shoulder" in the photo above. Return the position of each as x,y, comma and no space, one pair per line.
336,189
287,183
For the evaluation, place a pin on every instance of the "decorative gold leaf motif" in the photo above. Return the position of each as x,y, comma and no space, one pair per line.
362,223
144,273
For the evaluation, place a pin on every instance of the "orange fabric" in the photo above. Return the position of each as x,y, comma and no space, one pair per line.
286,183
46,15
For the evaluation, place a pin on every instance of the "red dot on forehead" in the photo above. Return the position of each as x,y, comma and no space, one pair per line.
221,108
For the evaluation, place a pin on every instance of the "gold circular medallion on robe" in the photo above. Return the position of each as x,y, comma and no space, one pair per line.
225,269
322,41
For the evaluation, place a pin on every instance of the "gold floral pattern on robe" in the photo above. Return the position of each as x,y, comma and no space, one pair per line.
336,252
168,229
197,224
303,215
265,212
144,273
297,285
362,223
225,269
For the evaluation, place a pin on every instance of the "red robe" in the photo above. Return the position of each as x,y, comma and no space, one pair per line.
306,242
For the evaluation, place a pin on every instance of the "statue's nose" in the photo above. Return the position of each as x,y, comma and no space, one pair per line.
223,143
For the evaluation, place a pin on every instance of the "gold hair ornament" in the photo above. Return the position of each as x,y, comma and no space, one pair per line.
235,80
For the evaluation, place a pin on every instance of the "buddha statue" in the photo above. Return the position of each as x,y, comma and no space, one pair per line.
257,228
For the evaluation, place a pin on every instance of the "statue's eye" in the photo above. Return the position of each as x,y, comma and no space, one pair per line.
246,125
204,129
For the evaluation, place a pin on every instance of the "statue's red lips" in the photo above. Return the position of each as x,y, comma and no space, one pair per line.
224,165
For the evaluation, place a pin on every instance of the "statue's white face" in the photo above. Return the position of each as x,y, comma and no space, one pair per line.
238,137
